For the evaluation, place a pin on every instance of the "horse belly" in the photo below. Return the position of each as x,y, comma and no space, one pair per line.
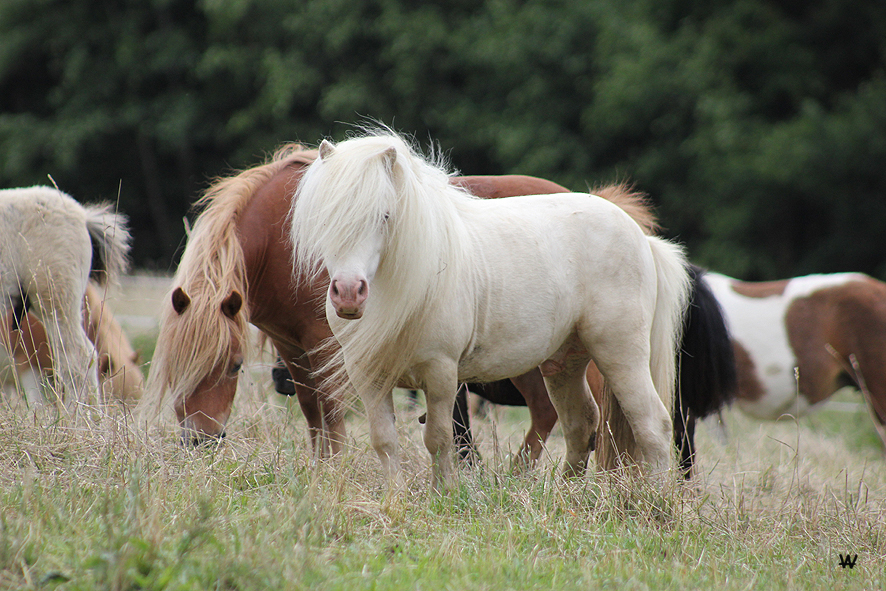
491,364
517,337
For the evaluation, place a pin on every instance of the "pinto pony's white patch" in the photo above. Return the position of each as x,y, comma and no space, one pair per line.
462,289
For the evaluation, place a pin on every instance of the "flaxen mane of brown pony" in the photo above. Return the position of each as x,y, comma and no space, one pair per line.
211,281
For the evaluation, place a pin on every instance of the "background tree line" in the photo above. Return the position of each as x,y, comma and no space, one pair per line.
758,126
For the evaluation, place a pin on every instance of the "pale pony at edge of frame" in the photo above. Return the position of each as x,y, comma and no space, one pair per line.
51,245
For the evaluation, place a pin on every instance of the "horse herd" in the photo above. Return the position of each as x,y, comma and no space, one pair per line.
370,267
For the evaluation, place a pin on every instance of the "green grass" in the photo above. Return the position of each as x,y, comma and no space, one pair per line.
101,505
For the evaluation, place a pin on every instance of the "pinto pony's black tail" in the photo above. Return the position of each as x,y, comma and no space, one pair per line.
707,378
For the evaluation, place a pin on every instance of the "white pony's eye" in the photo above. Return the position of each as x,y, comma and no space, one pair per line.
385,219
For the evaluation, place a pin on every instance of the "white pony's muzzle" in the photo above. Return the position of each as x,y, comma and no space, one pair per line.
348,296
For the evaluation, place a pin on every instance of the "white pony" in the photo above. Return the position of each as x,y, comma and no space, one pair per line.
430,287
49,247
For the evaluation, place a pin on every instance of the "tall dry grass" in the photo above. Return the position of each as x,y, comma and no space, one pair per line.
98,504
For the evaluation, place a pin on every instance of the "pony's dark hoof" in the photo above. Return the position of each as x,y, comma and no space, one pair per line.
202,440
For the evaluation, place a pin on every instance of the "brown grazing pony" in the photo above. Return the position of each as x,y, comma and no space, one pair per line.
236,270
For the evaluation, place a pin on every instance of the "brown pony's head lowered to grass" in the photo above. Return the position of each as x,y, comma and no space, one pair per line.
204,336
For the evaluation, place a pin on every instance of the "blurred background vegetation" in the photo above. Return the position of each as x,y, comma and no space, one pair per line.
758,126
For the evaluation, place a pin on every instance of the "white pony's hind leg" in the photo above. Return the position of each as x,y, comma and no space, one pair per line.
650,421
621,344
579,416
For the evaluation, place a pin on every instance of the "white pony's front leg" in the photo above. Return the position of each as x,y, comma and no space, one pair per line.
441,383
383,434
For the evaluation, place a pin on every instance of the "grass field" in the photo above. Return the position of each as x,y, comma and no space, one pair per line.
101,504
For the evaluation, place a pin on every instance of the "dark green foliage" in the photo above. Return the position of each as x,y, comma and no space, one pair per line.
758,126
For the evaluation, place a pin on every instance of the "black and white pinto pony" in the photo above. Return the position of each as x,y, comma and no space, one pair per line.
430,287
51,244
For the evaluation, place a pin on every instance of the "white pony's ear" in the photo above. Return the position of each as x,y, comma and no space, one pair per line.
326,149
389,157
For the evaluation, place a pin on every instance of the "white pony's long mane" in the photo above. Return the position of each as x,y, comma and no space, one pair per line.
190,345
354,193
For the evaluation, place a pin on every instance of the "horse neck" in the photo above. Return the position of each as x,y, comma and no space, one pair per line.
428,250
421,270
213,265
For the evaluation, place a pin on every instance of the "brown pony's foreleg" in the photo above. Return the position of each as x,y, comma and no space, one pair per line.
542,414
323,412
461,426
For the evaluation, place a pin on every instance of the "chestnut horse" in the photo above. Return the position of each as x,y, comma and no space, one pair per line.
830,329
120,377
235,270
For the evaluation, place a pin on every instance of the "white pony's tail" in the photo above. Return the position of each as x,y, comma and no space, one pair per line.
111,240
674,284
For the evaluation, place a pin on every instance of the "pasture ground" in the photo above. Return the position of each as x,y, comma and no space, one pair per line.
102,504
